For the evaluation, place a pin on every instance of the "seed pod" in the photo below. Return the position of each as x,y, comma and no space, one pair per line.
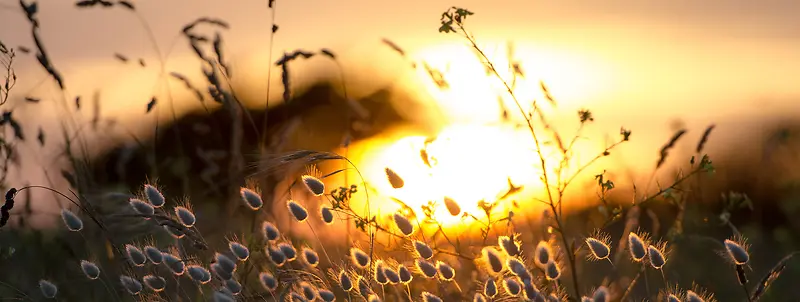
268,281
48,289
297,211
133,286
155,283
154,197
72,221
423,250
90,270
251,199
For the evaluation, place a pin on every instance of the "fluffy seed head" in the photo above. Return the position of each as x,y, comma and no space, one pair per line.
270,231
543,253
239,251
72,221
221,272
363,287
48,289
174,264
692,296
391,275
380,274
423,250
288,251
199,274
276,256
530,292
344,281
309,292
155,283
142,207
225,262
298,211
90,270
185,216
133,286
153,254
657,258
326,214
403,224
552,271
452,206
404,273
673,298
135,255
223,295
427,269
428,297
446,272
490,288
314,185
512,286
600,294
234,286
359,257
599,248
509,245
395,180
516,266
251,199
492,259
295,297
154,196
268,281
310,257
737,252
637,247
479,298
326,295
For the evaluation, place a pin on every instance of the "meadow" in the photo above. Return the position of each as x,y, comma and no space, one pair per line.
263,223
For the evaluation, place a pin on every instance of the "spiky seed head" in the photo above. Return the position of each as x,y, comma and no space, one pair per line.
516,266
637,247
427,269
673,298
405,274
199,274
225,262
344,281
131,285
403,224
600,294
268,281
310,257
174,232
509,245
234,286
599,248
657,258
251,199
374,298
359,257
491,257
428,297
185,216
326,295
552,271
48,289
737,252
155,283
270,231
314,185
490,288
446,272
326,213
379,275
153,254
512,286
692,296
276,256
452,206
72,221
479,298
90,270
239,251
530,292
174,264
298,211
423,250
309,292
135,255
395,180
223,295
543,253
154,197
288,251
391,275
553,298
221,272
142,207
295,297
363,287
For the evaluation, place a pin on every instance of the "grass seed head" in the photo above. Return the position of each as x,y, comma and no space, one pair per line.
737,251
295,297
657,257
220,271
405,274
223,296
185,216
326,213
403,224
174,264
363,287
509,245
309,292
298,211
326,295
135,255
234,286
452,206
530,292
174,232
491,258
428,297
270,231
692,296
374,298
153,254
155,283
423,250
310,257
600,294
395,180
314,185
344,281
239,251
251,199
490,288
359,257
516,266
637,247
446,272
276,256
268,281
199,274
543,253
512,286
391,275
552,271
131,285
72,221
154,197
426,269
90,270
142,207
48,289
673,298
288,250
479,298
379,275
225,262
599,248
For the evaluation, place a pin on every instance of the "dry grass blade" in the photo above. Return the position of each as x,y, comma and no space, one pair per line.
704,139
668,146
773,274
